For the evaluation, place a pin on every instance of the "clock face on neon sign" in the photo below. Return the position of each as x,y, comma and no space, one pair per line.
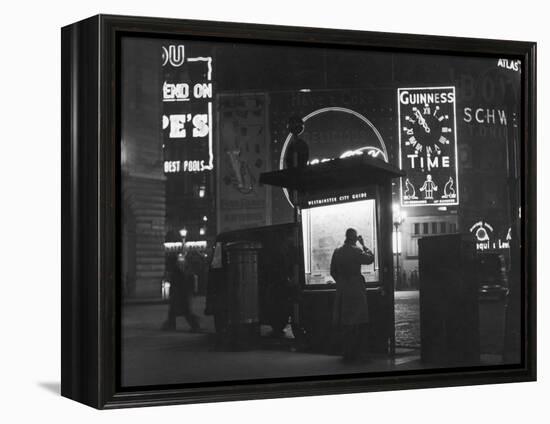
427,129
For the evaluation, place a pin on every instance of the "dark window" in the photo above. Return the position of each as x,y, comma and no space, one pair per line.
417,228
442,227
425,228
434,227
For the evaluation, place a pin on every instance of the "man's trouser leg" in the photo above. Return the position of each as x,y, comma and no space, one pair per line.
363,341
170,323
191,318
350,342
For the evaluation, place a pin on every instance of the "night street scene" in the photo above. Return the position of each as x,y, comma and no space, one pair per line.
292,212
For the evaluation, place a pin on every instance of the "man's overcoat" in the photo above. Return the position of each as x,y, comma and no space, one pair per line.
350,306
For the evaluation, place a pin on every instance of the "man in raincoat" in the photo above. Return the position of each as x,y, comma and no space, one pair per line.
351,314
182,281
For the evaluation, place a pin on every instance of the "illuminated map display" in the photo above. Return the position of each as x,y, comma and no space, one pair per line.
324,230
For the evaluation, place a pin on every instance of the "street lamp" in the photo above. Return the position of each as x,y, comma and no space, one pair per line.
202,191
399,217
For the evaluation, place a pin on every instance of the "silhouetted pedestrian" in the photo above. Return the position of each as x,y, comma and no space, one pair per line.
351,314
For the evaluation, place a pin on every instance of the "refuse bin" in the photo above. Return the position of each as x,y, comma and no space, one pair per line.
243,308
449,309
492,276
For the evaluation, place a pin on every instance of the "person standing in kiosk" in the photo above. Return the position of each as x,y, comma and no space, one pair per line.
351,315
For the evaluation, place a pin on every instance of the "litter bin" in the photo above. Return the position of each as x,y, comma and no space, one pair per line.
449,309
492,275
243,308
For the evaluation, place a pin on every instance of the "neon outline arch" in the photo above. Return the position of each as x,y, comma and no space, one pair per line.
332,109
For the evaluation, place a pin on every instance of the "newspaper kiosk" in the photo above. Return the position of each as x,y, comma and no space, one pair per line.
329,198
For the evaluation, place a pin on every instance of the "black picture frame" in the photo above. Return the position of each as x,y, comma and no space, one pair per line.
90,206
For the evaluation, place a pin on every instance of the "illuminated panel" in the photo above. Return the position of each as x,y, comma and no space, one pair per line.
323,229
187,124
199,243
428,146
173,246
487,239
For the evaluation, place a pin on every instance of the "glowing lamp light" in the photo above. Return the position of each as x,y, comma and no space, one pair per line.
183,232
202,191
198,243
398,215
205,218
173,245
165,290
396,245
202,231
395,208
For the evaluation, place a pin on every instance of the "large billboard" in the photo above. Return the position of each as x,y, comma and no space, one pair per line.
187,92
242,155
428,146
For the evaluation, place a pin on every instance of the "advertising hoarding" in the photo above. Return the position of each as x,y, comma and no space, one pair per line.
428,146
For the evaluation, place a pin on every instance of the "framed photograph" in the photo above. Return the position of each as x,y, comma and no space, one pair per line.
253,211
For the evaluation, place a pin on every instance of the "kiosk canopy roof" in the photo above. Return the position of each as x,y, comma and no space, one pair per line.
352,172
